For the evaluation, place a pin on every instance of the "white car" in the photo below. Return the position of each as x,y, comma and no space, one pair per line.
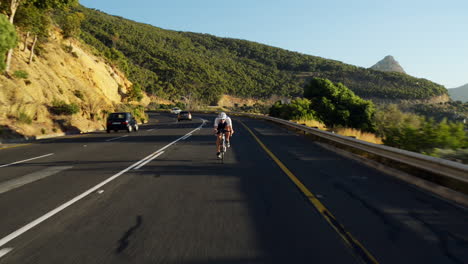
176,110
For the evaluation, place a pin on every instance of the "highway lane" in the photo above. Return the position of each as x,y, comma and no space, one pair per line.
186,207
78,164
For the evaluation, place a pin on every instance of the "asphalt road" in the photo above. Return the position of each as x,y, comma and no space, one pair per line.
161,196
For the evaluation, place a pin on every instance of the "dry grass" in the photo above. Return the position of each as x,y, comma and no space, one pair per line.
311,123
364,136
347,132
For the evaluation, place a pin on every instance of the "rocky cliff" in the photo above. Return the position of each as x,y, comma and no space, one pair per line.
65,72
388,64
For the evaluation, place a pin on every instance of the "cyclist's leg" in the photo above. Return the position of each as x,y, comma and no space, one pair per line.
228,133
218,142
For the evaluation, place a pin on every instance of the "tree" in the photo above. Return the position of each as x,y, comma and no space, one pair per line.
71,24
298,109
8,39
336,105
390,119
35,23
11,6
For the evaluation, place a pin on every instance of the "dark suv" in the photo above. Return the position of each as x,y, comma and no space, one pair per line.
121,121
184,115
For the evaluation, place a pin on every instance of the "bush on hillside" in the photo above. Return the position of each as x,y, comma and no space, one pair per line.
62,108
8,39
298,109
336,105
137,111
24,118
459,155
427,136
20,74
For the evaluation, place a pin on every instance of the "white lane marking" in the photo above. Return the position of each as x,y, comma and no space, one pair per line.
32,177
150,159
100,191
41,219
48,215
16,162
186,136
151,129
116,138
5,251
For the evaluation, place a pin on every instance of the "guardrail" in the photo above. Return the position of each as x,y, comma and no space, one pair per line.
447,173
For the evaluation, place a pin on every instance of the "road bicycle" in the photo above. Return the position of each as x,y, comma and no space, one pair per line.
223,147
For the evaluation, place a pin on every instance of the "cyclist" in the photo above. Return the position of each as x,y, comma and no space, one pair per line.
222,124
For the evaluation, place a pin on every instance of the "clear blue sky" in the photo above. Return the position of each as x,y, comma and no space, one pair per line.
429,38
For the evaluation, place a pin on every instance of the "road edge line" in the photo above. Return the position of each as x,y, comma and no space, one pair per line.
357,248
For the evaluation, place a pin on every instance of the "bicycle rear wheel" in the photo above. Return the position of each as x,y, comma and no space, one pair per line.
223,148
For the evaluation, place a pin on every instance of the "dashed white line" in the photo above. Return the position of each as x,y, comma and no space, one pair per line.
149,159
116,138
151,129
41,219
21,161
186,136
32,177
5,251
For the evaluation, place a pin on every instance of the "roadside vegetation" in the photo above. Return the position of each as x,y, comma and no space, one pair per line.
335,108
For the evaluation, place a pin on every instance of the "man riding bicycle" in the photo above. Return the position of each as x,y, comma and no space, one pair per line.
222,124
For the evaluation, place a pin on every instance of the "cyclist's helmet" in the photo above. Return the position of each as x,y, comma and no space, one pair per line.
222,115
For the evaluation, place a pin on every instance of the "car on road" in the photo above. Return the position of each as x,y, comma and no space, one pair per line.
176,110
184,115
121,121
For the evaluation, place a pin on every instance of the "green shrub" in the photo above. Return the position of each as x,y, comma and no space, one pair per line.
21,74
427,137
62,108
137,111
336,105
78,94
135,93
460,155
153,106
67,48
180,105
298,109
24,118
166,106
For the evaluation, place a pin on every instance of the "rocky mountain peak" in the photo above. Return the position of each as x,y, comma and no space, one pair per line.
388,64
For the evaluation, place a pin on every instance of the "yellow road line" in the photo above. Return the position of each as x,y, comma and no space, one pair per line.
360,251
15,146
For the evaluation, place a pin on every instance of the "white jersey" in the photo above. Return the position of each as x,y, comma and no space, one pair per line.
218,120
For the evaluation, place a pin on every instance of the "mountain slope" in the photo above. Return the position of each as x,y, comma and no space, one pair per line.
459,94
172,64
388,64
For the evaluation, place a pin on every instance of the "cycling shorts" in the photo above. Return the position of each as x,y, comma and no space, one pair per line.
222,131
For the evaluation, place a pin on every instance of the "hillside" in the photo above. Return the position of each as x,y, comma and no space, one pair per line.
459,94
64,73
175,64
388,64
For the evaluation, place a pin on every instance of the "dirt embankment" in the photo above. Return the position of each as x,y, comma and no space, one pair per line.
65,72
